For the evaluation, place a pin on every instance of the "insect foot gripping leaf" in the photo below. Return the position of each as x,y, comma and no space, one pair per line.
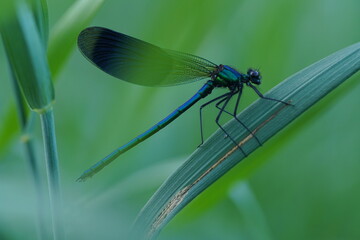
217,156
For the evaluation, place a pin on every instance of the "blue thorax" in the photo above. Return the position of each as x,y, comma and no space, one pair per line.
229,74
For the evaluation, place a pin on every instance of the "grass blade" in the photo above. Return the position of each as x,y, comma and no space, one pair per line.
255,225
63,37
39,9
25,50
62,40
218,155
41,14
27,58
26,124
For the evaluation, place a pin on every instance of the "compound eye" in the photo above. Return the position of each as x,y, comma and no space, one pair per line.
254,73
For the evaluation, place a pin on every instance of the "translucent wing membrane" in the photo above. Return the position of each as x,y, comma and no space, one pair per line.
139,62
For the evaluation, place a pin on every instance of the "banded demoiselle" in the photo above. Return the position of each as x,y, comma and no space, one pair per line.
142,63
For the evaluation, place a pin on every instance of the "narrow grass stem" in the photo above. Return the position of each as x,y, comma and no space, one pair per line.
53,174
26,127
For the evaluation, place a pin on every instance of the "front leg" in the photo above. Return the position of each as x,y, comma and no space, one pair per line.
267,98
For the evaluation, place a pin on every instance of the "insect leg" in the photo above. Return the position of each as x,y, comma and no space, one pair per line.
235,113
218,118
267,98
224,96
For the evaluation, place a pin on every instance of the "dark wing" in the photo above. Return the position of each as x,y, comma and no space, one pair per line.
139,62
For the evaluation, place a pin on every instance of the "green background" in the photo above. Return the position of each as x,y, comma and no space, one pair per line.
303,184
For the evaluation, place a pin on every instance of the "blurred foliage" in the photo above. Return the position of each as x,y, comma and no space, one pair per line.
305,180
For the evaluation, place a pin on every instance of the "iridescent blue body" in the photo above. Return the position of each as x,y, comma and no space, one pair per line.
142,63
229,75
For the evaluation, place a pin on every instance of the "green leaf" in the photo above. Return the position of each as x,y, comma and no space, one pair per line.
266,118
64,34
62,40
6,10
9,124
27,57
40,10
255,226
